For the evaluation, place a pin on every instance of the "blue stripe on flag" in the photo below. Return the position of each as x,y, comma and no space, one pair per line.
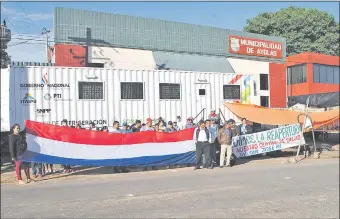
184,158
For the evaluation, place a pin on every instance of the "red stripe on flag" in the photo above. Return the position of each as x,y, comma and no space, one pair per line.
235,79
83,136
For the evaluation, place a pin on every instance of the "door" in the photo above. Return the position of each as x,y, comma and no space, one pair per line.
203,99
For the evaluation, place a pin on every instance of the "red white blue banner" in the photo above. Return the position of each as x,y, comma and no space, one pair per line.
53,144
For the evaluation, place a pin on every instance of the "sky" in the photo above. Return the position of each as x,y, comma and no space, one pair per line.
26,19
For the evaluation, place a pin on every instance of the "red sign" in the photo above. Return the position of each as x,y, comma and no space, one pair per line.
70,55
255,47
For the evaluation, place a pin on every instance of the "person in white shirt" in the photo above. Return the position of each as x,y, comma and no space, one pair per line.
202,137
115,128
180,123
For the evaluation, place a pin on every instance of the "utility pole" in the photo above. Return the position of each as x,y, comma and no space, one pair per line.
46,32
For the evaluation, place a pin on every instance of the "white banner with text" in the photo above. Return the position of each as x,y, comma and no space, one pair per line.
267,141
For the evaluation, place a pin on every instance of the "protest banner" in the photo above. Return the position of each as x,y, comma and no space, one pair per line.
267,141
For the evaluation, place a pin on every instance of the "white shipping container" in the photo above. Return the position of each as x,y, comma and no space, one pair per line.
51,94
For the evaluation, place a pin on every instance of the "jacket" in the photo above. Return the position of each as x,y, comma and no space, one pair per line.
14,142
223,138
235,130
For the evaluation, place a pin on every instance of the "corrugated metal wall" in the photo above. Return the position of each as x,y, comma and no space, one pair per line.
190,62
75,26
112,107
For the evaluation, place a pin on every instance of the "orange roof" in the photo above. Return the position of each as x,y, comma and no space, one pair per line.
270,116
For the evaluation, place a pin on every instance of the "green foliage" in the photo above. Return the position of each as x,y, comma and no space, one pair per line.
305,30
4,58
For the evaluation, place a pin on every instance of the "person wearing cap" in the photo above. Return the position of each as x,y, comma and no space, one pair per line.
170,127
213,115
148,126
190,123
124,129
180,123
137,126
225,139
202,137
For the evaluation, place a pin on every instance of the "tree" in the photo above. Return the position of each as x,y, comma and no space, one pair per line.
305,30
5,60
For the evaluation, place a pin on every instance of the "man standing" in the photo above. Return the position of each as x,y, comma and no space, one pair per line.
234,128
202,137
244,128
224,138
213,132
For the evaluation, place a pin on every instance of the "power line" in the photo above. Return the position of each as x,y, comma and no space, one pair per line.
4,14
27,15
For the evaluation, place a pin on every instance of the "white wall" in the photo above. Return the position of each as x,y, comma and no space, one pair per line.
5,123
119,58
255,68
113,107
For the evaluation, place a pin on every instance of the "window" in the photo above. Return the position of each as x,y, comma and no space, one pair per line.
336,75
168,91
316,73
231,92
90,90
201,92
325,74
132,90
330,75
264,82
289,76
297,74
264,101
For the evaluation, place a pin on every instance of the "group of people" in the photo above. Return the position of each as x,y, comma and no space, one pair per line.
138,126
209,136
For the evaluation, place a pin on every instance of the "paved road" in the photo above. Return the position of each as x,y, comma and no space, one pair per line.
307,189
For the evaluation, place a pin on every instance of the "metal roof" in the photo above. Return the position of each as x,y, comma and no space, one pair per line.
81,27
191,62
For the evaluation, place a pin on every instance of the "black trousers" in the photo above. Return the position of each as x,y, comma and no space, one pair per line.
203,148
213,152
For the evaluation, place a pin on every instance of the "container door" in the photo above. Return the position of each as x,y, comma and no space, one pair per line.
203,99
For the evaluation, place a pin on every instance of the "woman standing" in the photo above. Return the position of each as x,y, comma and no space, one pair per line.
17,146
